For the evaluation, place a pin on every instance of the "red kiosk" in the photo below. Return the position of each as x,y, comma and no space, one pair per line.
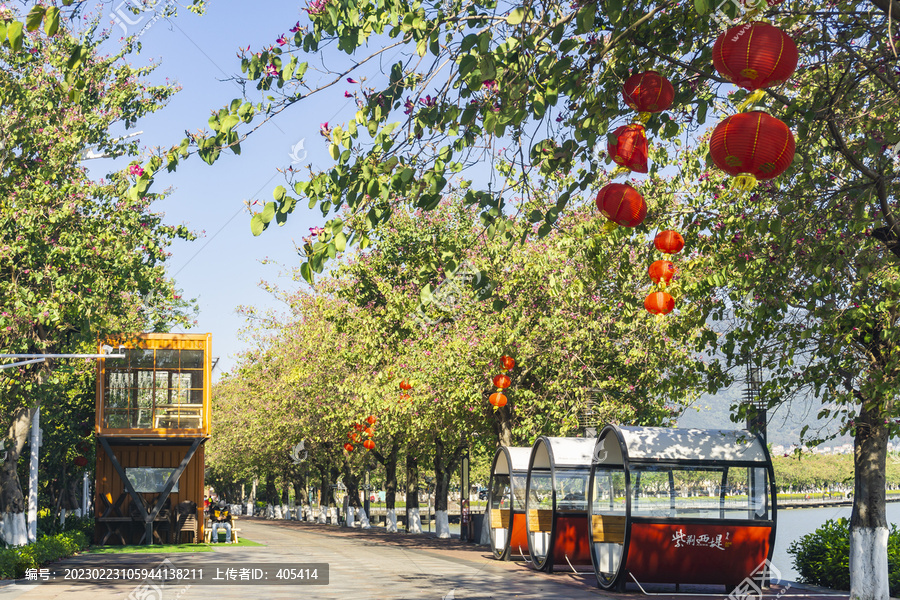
680,506
556,502
509,472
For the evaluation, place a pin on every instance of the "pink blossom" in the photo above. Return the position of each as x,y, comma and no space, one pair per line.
136,170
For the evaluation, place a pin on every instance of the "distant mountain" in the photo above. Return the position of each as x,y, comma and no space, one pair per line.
784,424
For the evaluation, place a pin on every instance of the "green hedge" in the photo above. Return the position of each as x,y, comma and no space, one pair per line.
14,561
823,557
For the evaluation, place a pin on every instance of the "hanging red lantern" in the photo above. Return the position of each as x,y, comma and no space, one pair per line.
630,148
498,400
754,145
508,362
371,419
669,242
405,385
348,447
369,431
80,461
357,427
353,437
369,445
661,270
621,204
755,55
648,92
659,303
502,381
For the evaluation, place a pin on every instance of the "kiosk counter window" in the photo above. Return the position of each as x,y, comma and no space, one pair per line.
160,388
509,473
680,506
556,502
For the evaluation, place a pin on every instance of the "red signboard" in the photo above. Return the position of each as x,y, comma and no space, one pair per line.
676,552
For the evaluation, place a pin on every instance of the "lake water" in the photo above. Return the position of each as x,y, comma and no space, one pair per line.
795,523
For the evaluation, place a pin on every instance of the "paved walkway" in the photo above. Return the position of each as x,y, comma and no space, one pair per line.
364,565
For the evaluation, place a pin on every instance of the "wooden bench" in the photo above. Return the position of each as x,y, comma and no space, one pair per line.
540,519
207,533
500,518
608,528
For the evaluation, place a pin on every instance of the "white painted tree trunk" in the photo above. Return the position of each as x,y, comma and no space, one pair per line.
351,517
13,529
442,524
868,563
62,517
413,521
364,520
323,515
276,512
391,521
333,515
249,509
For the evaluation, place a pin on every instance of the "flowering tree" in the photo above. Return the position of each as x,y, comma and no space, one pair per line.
79,259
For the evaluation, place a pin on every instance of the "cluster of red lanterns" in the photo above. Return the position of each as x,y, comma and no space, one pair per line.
753,146
405,386
498,400
359,428
647,93
80,461
660,302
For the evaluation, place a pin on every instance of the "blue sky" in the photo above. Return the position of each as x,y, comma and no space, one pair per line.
223,267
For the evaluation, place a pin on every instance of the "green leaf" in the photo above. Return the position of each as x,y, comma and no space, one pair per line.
256,224
585,17
340,241
516,16
34,18
268,212
278,193
334,150
701,6
14,33
425,295
306,272
51,21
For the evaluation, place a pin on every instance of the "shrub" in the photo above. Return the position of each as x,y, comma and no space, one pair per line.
823,556
14,561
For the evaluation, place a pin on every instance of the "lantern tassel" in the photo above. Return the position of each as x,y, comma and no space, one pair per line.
642,118
610,226
619,171
496,408
750,100
742,184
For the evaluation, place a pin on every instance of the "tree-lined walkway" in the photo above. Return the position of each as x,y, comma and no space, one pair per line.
363,564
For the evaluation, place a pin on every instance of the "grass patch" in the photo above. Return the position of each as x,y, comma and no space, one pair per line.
165,548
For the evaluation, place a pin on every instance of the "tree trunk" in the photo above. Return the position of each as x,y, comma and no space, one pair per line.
271,490
389,461
444,465
333,513
868,521
413,520
12,500
503,423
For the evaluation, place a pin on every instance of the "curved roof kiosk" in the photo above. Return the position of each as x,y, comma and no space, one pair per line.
507,501
680,506
556,502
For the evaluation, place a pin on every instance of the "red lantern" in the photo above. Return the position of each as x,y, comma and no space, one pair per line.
630,148
661,270
669,242
357,427
508,362
371,419
648,92
755,55
369,444
404,396
405,385
80,461
659,303
369,431
752,143
502,381
348,447
353,437
498,400
622,204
